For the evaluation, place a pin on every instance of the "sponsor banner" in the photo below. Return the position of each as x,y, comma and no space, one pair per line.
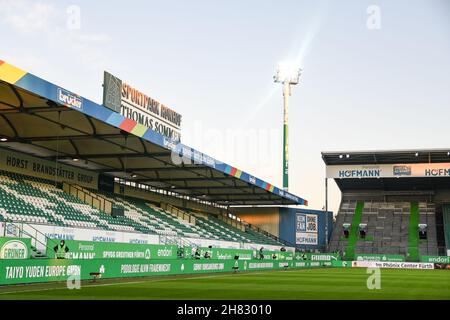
15,248
312,264
69,99
380,257
257,246
318,256
135,105
244,254
306,231
388,171
56,233
88,250
27,165
227,254
52,234
199,242
277,255
341,264
392,265
435,259
46,270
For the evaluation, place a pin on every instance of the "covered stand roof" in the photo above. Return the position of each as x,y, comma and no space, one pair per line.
45,120
373,158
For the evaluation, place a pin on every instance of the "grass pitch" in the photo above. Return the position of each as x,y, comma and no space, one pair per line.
344,283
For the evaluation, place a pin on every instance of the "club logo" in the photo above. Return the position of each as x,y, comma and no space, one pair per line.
147,254
14,249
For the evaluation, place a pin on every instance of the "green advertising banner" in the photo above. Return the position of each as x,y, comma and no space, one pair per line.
227,254
279,255
45,270
89,250
341,264
380,257
15,248
318,256
435,259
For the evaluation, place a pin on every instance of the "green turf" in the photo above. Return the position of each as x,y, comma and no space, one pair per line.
342,283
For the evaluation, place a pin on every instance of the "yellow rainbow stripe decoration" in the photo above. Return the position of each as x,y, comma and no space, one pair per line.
10,73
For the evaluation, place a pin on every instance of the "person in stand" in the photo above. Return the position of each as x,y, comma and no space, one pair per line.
283,249
261,254
60,250
207,255
274,256
236,263
197,254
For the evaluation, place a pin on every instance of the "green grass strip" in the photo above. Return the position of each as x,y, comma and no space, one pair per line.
413,236
446,219
353,236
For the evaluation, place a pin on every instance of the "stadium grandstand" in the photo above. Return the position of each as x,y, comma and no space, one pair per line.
94,191
393,202
85,173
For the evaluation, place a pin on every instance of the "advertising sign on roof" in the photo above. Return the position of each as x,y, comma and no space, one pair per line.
136,105
389,171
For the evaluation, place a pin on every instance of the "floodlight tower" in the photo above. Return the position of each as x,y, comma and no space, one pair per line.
287,74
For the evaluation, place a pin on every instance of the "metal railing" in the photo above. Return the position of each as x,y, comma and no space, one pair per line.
88,197
242,225
174,240
232,222
178,213
19,231
274,237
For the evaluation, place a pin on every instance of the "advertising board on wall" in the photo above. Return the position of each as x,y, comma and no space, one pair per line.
45,270
306,230
380,257
15,248
88,250
392,265
146,111
53,234
36,167
388,171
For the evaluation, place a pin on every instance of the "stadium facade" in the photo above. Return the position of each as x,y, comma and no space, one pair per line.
127,197
90,190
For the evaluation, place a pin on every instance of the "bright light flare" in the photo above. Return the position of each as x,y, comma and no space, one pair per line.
287,72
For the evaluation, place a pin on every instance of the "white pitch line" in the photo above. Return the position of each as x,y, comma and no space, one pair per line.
129,282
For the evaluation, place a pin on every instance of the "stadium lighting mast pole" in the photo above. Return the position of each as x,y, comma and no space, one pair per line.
288,75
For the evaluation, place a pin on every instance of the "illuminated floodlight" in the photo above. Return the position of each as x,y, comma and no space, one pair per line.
287,72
